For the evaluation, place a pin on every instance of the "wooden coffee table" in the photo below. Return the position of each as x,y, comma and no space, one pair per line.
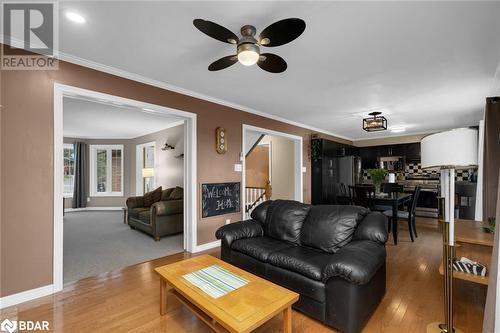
241,310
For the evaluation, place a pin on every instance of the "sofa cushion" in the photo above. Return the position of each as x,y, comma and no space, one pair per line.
284,219
134,212
259,213
329,227
165,194
302,260
373,227
177,193
356,262
152,197
260,247
299,283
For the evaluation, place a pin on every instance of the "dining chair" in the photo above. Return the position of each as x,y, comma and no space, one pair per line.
343,190
407,215
362,195
343,197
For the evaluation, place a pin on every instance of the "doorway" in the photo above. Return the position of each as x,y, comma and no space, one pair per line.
106,181
272,167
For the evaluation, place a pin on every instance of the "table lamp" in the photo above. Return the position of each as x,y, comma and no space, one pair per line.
448,151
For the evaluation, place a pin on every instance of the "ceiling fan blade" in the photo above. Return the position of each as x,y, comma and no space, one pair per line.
282,32
216,31
222,63
272,63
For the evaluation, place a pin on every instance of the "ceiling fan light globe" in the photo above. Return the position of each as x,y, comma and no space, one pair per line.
248,54
248,58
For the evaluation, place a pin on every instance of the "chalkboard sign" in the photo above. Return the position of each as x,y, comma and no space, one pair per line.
220,198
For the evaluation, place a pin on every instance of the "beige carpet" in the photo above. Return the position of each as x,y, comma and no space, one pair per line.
97,242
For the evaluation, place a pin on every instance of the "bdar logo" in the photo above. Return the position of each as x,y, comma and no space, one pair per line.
8,326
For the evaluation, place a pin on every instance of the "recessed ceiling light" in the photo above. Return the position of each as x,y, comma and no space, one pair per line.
75,17
398,129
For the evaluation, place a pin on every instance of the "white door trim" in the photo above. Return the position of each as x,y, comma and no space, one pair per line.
298,141
25,296
190,168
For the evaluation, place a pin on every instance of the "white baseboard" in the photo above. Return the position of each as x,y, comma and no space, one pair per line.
206,246
25,296
67,210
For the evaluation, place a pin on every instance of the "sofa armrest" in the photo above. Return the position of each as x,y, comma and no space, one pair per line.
134,202
239,230
373,227
357,262
171,207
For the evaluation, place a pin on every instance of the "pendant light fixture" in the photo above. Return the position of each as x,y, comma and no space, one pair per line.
375,122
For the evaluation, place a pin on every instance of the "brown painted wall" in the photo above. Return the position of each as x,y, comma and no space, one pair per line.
257,167
27,160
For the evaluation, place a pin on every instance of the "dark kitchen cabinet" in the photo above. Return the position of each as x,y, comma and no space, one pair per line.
335,149
346,150
322,177
324,154
412,152
369,157
392,150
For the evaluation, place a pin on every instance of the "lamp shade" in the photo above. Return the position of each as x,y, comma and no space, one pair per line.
148,172
451,149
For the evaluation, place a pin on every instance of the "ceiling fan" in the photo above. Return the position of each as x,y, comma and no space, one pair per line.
248,47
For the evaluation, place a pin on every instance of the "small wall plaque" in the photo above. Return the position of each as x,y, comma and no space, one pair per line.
221,140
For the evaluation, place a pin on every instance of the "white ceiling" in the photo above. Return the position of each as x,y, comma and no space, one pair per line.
101,120
425,65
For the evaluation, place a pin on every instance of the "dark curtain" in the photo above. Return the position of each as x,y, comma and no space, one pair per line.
491,156
80,184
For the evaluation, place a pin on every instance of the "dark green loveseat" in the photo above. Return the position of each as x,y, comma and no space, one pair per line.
162,218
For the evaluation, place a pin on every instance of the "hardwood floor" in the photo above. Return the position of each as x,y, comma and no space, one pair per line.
127,300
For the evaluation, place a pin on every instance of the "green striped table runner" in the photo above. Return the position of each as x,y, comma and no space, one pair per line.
215,280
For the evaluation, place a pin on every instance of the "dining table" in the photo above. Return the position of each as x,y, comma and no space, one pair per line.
394,200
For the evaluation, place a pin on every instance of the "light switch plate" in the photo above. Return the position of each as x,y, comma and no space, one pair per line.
238,167
304,169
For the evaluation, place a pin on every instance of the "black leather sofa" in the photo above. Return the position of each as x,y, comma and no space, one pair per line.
333,256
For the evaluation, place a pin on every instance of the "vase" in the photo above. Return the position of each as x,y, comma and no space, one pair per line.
377,188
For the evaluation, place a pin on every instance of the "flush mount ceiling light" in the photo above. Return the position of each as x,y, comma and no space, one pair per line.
75,17
248,45
375,122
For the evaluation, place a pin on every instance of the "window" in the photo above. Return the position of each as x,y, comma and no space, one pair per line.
106,170
69,169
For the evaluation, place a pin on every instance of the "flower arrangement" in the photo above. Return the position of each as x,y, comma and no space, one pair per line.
377,176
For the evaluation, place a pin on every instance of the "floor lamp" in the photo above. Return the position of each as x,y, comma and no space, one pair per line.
448,151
